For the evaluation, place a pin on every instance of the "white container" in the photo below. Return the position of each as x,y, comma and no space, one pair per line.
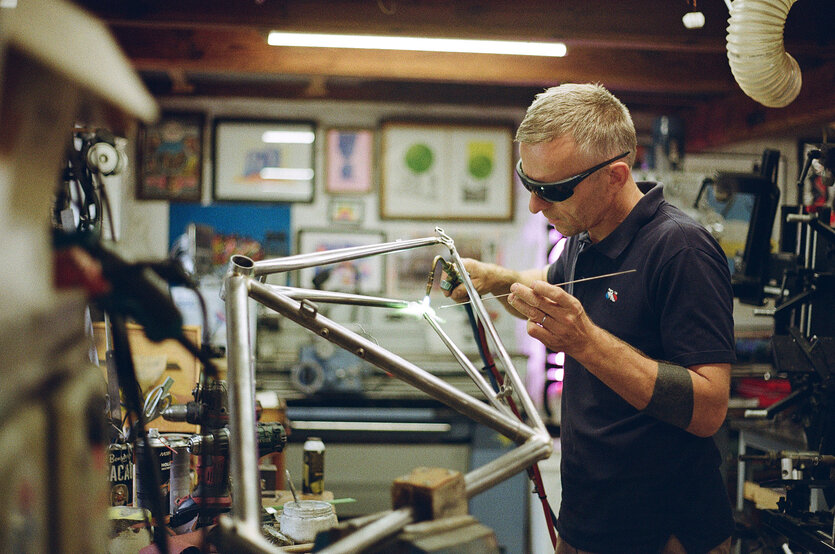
300,521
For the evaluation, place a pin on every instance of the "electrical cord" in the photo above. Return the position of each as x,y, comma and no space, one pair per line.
497,383
534,473
133,400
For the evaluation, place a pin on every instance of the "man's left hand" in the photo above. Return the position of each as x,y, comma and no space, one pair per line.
555,318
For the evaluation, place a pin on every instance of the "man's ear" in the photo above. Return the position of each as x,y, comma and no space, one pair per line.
618,174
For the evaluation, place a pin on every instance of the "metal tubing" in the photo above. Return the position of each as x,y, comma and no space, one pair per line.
338,297
369,535
468,366
243,452
508,465
306,316
234,538
242,282
301,261
478,307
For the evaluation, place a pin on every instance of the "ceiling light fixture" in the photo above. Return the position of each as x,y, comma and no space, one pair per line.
369,42
694,19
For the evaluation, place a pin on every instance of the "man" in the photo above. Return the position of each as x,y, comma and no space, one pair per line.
648,352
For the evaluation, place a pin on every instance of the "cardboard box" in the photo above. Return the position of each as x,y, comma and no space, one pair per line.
154,361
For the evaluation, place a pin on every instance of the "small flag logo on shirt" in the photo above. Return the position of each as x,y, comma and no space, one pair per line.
612,295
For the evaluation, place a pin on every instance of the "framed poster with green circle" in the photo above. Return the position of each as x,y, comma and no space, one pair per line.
446,172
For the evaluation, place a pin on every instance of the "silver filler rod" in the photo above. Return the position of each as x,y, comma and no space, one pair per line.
372,533
507,465
333,297
468,366
510,371
326,257
307,316
243,451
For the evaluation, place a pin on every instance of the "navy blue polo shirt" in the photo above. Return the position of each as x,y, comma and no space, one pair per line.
630,480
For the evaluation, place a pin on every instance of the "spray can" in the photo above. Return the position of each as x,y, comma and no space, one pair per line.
120,463
313,469
180,466
163,456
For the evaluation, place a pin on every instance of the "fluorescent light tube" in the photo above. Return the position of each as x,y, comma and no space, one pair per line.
369,42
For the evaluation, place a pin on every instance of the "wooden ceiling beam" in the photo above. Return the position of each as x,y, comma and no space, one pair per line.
638,21
246,51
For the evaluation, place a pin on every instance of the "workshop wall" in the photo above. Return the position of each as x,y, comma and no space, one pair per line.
145,222
518,243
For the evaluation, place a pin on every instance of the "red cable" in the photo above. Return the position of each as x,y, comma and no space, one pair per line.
533,471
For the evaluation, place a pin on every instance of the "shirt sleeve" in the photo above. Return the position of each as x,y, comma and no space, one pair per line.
695,301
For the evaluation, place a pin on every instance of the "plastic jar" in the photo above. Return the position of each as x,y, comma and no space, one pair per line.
301,520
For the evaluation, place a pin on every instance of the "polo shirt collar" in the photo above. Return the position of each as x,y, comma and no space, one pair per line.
617,241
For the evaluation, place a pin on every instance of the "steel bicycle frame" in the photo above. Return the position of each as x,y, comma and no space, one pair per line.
245,280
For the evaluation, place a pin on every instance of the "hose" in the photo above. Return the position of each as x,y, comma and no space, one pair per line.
756,53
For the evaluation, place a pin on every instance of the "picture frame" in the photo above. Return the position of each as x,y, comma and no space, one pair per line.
362,276
170,158
408,269
446,172
260,160
343,211
349,160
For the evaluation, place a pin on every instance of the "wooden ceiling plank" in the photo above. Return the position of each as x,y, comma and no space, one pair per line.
738,117
247,51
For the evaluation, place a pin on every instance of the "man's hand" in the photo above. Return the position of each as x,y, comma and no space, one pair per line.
480,275
555,318
494,279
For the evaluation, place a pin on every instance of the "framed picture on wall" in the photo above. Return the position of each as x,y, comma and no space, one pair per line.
263,160
170,158
363,275
446,172
408,269
346,211
349,158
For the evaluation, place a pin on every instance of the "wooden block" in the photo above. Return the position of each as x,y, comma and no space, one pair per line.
763,498
432,492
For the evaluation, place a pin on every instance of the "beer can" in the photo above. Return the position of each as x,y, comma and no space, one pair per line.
163,458
120,464
313,469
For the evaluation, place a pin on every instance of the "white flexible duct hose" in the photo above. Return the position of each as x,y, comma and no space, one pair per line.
759,61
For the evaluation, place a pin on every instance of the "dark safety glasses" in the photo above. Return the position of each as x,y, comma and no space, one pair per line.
560,190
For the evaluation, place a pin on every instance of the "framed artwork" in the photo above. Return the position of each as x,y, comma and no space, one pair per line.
363,276
170,158
211,234
263,161
346,212
446,172
349,161
408,270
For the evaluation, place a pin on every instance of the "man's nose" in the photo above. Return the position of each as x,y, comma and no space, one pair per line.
537,204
